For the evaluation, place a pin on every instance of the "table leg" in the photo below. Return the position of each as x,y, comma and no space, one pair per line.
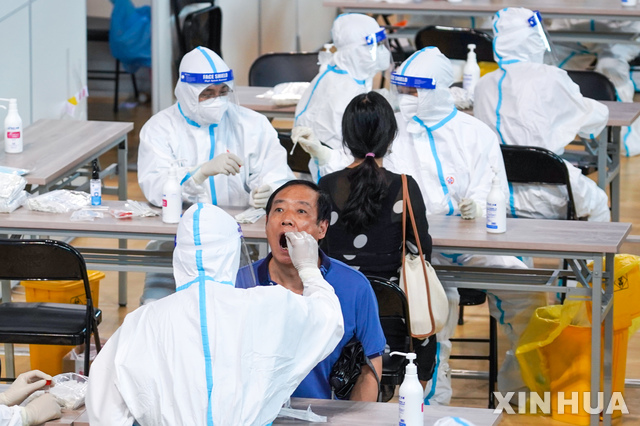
596,306
9,365
614,186
122,195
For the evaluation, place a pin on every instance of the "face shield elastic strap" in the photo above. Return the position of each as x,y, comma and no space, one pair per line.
417,82
536,22
208,78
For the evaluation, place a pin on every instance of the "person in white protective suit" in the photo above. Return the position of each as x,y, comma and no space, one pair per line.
211,353
38,411
529,103
361,53
612,61
227,154
453,156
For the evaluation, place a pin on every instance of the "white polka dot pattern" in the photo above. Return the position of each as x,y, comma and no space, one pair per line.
334,218
397,207
360,241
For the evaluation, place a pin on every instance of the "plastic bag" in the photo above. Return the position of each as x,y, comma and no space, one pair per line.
11,185
86,215
9,205
130,35
69,390
132,209
307,415
251,215
59,201
286,94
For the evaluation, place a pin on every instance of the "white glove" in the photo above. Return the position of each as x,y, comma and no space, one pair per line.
260,196
40,410
308,141
469,209
223,164
303,251
24,385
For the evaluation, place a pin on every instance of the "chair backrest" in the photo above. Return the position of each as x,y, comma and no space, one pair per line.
534,165
299,161
594,85
275,68
42,260
453,42
203,28
393,310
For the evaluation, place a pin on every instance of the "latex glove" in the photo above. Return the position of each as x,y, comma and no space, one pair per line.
308,141
24,385
223,164
40,410
469,209
303,251
260,196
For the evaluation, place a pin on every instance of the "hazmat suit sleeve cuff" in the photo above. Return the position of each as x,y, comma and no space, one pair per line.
324,155
312,280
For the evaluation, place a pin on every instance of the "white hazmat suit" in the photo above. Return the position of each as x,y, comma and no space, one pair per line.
451,155
191,133
210,353
529,103
360,55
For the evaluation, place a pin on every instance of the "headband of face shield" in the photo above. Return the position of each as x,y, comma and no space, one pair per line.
205,88
519,35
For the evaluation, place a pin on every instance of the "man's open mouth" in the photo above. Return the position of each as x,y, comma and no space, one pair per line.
283,242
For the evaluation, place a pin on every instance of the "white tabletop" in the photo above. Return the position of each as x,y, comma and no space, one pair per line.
248,97
52,148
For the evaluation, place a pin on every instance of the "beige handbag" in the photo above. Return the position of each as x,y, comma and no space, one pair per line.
428,305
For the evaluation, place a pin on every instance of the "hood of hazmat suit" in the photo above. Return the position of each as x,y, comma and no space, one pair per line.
449,153
211,353
362,51
190,133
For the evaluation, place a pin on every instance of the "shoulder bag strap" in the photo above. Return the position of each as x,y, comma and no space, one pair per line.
406,205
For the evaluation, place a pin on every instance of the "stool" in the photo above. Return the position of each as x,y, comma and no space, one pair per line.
98,30
470,297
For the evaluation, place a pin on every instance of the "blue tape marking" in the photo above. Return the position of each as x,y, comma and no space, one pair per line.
592,24
512,201
190,121
567,59
460,421
499,105
206,55
186,177
212,183
196,225
434,377
624,140
312,92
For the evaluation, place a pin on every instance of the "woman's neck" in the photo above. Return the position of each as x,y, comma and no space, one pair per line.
358,161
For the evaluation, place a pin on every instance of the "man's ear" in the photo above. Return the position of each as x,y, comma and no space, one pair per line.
323,226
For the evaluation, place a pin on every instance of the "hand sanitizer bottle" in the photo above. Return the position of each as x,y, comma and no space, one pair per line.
496,207
410,394
95,184
171,198
471,71
13,129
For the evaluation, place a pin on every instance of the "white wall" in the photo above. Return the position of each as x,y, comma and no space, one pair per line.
43,46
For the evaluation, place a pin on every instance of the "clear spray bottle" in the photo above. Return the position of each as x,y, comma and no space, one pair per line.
496,206
410,394
12,128
172,197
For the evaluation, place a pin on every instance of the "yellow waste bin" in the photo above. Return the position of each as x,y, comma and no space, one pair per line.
48,358
555,350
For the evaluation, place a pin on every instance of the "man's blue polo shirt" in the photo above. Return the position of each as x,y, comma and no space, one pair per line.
359,310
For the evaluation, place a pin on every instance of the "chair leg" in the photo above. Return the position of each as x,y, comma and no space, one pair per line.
460,314
135,86
115,95
493,359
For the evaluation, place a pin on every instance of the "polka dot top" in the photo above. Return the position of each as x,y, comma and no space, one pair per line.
378,249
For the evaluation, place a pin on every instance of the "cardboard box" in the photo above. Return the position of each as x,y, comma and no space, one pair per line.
73,362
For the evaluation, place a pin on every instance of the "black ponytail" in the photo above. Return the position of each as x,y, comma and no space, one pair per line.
368,129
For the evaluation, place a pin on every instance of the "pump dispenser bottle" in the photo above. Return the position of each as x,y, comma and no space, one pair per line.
12,128
171,197
496,207
410,394
95,184
471,71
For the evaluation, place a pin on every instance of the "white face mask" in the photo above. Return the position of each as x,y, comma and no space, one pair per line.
383,58
212,110
408,106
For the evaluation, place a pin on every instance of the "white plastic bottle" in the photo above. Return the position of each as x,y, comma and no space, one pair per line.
171,198
95,185
471,71
496,207
13,129
410,395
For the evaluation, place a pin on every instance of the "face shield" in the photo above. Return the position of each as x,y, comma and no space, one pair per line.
404,91
214,94
535,22
365,58
378,47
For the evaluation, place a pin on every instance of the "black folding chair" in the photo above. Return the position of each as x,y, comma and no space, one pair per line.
452,42
47,323
275,68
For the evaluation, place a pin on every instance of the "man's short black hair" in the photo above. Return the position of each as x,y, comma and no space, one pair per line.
323,205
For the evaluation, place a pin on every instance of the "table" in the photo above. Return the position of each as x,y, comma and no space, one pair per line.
344,413
54,150
247,97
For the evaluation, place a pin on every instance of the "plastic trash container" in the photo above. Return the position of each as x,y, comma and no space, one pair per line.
48,358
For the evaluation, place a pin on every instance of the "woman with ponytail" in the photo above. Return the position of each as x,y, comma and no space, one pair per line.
365,230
